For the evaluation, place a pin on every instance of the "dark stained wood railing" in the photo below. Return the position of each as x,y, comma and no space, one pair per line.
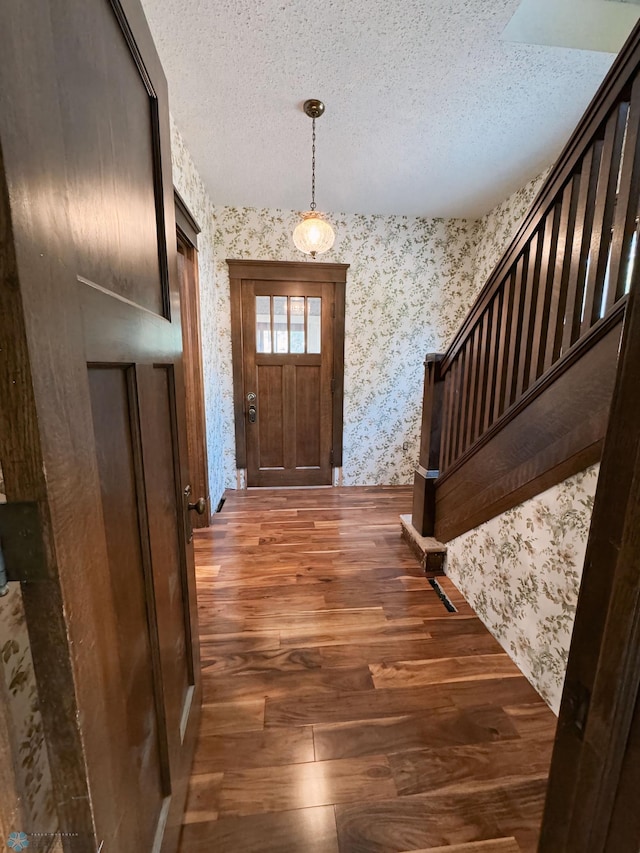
556,297
557,289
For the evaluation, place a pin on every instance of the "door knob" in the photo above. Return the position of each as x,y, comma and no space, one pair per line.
199,506
253,414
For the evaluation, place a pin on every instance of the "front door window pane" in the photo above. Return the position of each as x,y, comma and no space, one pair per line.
296,306
280,324
263,324
313,324
288,324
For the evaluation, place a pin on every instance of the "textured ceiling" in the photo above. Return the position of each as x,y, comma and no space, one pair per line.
428,111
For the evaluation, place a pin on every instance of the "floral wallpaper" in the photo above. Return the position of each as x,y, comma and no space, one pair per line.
188,183
495,230
521,573
18,690
408,289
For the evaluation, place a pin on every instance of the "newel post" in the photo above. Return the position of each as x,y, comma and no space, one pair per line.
424,484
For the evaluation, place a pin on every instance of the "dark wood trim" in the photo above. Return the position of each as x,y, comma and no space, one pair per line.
193,371
424,506
613,88
136,378
520,271
474,343
605,204
431,413
496,322
483,372
624,828
555,433
293,271
446,424
237,361
582,242
528,316
598,722
339,288
562,272
551,473
287,271
598,331
185,222
161,218
626,207
542,311
502,361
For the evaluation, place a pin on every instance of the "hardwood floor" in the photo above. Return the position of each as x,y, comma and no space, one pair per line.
346,711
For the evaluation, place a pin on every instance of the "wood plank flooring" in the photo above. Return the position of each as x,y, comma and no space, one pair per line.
346,711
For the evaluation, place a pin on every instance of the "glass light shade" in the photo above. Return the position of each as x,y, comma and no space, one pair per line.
313,235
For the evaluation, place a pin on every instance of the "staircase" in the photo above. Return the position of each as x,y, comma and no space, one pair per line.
520,400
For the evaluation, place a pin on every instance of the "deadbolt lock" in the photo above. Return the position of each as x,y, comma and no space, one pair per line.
252,411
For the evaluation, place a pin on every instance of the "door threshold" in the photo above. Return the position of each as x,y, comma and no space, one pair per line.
287,488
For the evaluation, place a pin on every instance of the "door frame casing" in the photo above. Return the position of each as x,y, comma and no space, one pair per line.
293,271
187,230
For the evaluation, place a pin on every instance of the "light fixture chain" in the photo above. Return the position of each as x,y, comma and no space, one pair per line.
313,235
313,164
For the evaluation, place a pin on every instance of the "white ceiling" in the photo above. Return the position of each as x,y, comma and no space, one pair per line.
428,110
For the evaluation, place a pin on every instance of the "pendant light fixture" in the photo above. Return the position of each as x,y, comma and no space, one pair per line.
313,235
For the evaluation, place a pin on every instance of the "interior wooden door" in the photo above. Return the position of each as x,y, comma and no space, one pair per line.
288,368
93,423
193,375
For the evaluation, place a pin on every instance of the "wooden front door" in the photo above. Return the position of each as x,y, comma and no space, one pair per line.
291,332
288,363
92,425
